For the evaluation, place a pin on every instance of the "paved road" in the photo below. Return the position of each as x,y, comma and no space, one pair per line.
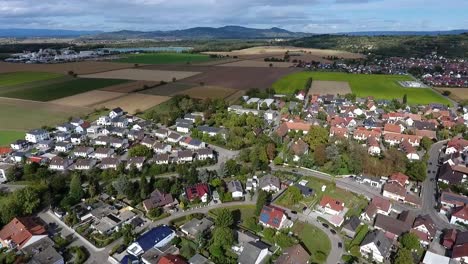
335,252
5,187
429,191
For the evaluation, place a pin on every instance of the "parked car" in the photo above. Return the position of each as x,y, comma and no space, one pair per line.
325,225
340,245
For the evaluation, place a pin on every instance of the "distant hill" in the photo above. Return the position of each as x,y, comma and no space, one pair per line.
392,45
44,33
227,32
405,33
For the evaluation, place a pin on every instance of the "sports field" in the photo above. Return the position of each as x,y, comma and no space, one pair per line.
16,78
46,91
165,58
7,137
379,86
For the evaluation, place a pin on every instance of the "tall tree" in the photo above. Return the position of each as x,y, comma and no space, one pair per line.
410,241
404,256
224,218
417,170
271,151
144,187
320,155
317,135
76,191
261,201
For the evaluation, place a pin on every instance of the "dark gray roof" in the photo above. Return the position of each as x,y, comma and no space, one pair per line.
306,191
198,259
43,252
209,129
251,252
378,238
352,223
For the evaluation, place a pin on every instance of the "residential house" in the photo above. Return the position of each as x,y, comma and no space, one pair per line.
394,191
37,135
93,130
184,127
409,150
84,164
305,190
395,227
299,149
204,154
330,205
378,205
174,137
4,169
393,128
161,159
373,146
159,199
77,139
460,215
269,183
184,156
362,134
199,259
399,178
452,174
395,139
286,127
171,259
251,184
65,127
191,143
113,222
253,253
376,246
109,163
59,163
456,145
161,148
425,228
61,137
19,144
449,238
235,188
22,232
154,238
210,131
350,226
196,226
433,258
63,146
103,121
161,133
449,201
84,152
138,162
43,252
294,255
116,112
102,153
200,191
339,132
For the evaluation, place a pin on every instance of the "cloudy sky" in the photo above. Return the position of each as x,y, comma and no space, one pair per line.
317,16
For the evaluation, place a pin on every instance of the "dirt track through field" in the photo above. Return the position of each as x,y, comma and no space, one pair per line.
256,63
142,75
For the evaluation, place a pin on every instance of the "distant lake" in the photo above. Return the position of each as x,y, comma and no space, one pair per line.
149,49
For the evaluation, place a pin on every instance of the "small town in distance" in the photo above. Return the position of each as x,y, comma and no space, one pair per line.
232,144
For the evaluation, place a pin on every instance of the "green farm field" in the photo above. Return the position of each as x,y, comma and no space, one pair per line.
165,58
55,89
16,78
21,115
379,86
7,137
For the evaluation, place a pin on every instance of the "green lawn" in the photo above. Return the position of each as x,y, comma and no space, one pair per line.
27,115
378,85
7,137
240,212
51,91
314,240
16,78
353,202
165,58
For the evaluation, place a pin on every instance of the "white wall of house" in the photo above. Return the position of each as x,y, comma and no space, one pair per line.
372,251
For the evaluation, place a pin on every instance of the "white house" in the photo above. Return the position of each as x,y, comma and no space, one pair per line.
63,146
235,188
103,121
36,135
60,164
375,246
331,206
269,183
460,215
116,112
274,217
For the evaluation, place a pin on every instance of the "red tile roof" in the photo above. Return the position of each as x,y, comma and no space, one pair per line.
392,128
426,133
20,230
395,188
197,191
460,251
5,150
334,204
171,259
271,215
461,212
399,178
381,203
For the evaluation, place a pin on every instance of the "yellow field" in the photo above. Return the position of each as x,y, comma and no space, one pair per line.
135,102
457,94
88,99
